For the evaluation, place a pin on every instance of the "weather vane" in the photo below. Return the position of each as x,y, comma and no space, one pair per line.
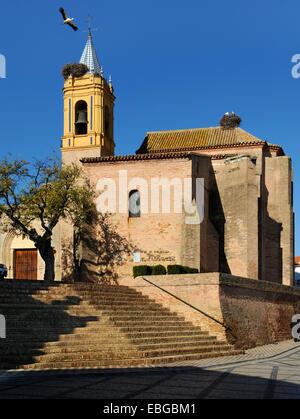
89,21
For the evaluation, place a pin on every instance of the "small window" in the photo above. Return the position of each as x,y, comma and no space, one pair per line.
137,256
134,204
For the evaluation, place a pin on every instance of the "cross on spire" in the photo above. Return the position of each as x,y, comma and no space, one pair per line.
89,21
89,55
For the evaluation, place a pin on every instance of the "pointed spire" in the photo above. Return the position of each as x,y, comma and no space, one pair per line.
110,83
89,56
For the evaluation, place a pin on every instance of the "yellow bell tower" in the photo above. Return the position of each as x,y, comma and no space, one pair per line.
88,111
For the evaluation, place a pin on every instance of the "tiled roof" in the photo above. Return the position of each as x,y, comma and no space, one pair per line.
156,156
199,138
297,260
89,57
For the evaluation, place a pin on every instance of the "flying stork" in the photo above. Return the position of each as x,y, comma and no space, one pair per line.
68,20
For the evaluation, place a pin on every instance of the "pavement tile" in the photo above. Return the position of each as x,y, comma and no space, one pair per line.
241,377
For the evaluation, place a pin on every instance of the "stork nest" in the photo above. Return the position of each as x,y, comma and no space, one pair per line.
230,121
75,70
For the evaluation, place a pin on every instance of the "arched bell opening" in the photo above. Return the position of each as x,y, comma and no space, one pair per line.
81,122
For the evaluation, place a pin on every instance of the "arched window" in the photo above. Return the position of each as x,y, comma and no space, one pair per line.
81,122
134,204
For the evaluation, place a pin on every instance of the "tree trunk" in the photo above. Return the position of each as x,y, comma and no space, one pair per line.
76,255
47,253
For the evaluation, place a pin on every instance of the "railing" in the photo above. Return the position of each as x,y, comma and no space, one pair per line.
227,328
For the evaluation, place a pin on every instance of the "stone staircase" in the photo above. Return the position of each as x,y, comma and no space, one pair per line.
91,326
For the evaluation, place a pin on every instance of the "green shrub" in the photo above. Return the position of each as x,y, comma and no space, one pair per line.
175,270
190,270
180,270
142,270
159,270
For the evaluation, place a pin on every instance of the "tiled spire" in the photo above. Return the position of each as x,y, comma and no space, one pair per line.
89,56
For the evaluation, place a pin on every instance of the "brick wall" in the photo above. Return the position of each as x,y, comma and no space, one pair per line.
159,237
279,229
253,312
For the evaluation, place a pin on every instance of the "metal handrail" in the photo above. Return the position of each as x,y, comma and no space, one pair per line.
227,328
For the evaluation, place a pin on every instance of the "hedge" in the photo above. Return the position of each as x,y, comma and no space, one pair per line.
180,270
158,270
145,270
142,270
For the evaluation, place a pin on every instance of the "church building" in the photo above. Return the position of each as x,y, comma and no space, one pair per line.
245,227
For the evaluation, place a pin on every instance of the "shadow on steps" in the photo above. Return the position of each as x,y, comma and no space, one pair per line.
31,323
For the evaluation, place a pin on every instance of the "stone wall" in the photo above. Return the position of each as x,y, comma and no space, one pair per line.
158,237
279,228
237,188
248,312
247,228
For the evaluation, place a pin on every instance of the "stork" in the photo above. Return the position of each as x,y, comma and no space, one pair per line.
68,20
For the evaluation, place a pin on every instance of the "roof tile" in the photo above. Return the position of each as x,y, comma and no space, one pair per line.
198,138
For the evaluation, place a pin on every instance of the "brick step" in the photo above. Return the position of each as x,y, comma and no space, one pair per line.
27,351
104,308
58,286
24,284
98,355
179,344
113,299
106,347
103,289
100,344
145,317
49,311
64,324
180,323
37,357
134,310
83,310
35,305
153,328
105,350
98,292
90,326
86,335
75,322
93,339
144,335
120,363
13,310
67,317
83,326
27,322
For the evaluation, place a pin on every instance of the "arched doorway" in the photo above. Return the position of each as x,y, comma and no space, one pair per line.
20,256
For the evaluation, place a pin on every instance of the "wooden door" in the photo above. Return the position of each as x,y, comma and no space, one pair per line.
25,266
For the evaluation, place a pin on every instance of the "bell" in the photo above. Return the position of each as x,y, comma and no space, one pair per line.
81,117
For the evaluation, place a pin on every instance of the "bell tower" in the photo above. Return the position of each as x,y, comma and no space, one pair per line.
88,111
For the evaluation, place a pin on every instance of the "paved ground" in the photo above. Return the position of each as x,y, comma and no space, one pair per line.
270,372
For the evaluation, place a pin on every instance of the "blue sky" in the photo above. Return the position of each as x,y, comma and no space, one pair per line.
174,64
